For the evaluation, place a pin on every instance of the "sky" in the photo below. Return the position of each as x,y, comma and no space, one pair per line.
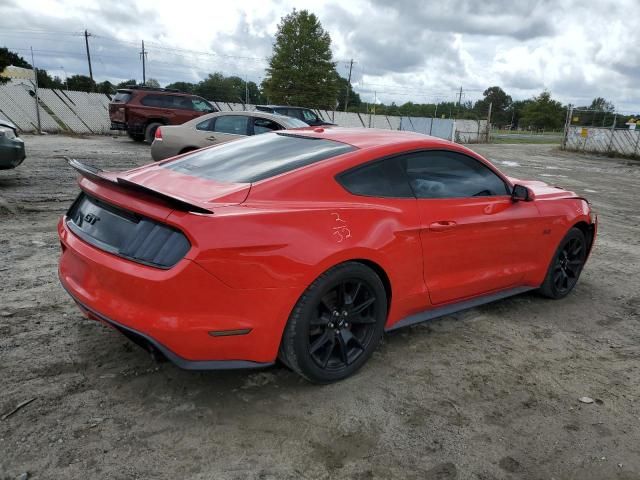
403,50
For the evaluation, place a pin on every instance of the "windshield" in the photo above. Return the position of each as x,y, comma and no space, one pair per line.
258,157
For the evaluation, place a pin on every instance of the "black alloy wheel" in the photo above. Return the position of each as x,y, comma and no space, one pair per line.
343,326
336,324
566,265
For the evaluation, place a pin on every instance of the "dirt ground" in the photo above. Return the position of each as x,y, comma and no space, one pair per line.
491,393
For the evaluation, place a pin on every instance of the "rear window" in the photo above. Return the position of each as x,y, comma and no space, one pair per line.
122,97
258,157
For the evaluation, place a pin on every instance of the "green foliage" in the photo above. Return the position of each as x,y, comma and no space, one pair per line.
354,98
543,113
185,87
7,57
126,83
81,83
227,89
106,87
500,105
301,70
152,82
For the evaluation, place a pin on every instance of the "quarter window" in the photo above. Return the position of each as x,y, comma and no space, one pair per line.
443,174
233,124
383,178
206,125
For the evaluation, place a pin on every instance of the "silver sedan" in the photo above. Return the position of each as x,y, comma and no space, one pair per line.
214,128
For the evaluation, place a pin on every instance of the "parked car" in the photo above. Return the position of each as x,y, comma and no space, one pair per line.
307,115
307,245
12,151
216,128
140,110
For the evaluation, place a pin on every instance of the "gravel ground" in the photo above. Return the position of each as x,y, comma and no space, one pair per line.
490,393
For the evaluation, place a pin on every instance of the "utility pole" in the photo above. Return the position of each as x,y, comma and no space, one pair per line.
246,90
346,99
86,42
460,98
35,74
143,56
489,121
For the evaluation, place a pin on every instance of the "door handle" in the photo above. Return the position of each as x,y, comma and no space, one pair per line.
212,138
442,225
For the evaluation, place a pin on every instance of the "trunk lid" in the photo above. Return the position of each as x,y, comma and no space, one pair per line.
178,190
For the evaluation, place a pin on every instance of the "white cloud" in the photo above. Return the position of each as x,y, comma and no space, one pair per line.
406,50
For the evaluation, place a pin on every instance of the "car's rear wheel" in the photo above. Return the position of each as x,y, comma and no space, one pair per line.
150,131
566,265
336,324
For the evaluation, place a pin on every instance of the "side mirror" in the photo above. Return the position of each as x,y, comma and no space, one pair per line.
521,193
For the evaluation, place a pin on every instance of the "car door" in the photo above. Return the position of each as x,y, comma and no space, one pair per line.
222,129
475,239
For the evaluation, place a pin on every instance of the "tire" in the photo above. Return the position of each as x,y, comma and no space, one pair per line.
150,131
136,137
566,265
336,324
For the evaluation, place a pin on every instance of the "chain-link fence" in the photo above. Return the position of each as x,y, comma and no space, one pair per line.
603,132
65,111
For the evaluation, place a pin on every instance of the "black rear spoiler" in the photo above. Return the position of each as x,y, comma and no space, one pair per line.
96,174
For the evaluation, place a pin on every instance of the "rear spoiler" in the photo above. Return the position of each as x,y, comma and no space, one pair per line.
97,174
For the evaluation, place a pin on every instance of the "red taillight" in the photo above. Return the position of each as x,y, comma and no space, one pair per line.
158,135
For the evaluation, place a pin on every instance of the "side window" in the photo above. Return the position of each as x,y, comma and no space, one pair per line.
442,174
264,125
200,105
234,124
152,101
295,113
383,178
206,125
309,116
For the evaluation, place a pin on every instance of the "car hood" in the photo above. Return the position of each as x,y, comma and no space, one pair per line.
542,190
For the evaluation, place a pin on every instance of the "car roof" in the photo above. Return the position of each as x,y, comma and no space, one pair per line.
276,117
372,137
283,106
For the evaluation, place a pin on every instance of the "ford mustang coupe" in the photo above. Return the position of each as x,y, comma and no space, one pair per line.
307,245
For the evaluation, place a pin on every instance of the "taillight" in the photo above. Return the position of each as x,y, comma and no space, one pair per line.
158,135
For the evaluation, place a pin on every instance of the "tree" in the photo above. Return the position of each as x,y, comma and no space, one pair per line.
7,57
152,82
543,112
354,98
500,105
301,70
81,83
126,83
106,87
602,105
182,86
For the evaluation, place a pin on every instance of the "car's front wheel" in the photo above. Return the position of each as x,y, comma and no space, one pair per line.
336,324
566,265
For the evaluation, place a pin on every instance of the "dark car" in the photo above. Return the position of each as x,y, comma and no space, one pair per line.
307,115
11,146
140,110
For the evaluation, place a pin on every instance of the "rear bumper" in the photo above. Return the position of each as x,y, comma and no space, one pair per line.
185,312
161,150
142,338
118,126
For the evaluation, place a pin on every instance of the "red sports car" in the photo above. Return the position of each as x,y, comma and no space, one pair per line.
307,245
